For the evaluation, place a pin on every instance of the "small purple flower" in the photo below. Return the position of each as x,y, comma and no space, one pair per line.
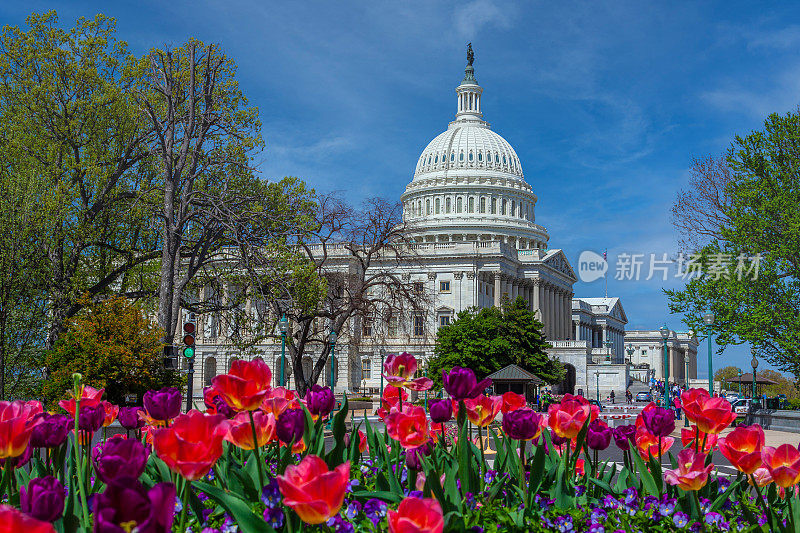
353,509
579,490
609,502
598,515
489,476
375,510
713,518
271,494
630,495
564,523
680,520
594,527
667,506
274,517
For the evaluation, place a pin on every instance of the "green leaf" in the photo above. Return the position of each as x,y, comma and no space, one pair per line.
646,477
246,519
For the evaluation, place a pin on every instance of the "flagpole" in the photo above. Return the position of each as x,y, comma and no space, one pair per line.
605,277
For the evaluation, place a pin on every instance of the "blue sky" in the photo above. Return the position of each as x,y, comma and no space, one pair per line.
605,103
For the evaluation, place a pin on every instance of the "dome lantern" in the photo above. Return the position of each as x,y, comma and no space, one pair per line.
469,92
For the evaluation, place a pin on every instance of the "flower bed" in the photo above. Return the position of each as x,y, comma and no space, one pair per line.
256,461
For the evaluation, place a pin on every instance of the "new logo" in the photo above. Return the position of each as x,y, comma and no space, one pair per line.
591,266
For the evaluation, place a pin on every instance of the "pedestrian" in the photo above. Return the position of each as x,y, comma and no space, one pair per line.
612,396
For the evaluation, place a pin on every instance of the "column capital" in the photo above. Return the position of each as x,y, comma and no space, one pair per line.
431,276
537,282
498,275
458,274
470,274
406,277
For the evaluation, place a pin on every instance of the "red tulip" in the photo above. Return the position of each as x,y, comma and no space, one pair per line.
647,443
15,521
580,467
783,464
245,386
111,412
362,441
567,418
416,515
390,400
399,370
742,447
512,401
408,426
692,472
691,435
192,444
240,433
482,410
17,420
312,491
715,415
692,401
278,400
90,397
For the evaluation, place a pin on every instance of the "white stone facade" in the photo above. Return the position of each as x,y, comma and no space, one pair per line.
646,355
472,215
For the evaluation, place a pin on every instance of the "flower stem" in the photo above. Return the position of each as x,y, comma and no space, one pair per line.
699,510
185,504
257,452
483,460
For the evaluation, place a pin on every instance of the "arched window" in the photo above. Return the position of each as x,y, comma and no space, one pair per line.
471,205
459,204
504,160
427,207
209,370
452,156
461,156
436,159
513,208
503,207
496,158
483,204
494,206
470,157
447,205
480,157
438,206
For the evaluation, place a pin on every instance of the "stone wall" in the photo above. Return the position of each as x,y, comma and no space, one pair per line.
610,377
779,420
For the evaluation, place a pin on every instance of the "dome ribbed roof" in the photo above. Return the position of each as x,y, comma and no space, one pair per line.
469,145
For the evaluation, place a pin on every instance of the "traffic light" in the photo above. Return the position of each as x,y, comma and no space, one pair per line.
170,359
188,339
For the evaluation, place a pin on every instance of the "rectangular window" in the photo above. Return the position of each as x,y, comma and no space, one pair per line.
366,329
419,325
444,286
483,205
494,205
444,320
393,326
366,369
419,287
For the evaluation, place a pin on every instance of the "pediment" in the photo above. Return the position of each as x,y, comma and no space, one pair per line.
559,262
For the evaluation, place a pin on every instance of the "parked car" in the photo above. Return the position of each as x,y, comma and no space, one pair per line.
732,397
643,397
741,406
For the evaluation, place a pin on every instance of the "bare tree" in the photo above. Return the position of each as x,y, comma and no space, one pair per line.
700,212
346,268
205,136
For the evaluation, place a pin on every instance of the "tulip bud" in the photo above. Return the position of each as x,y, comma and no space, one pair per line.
441,411
320,400
623,435
461,383
129,418
523,424
163,404
658,421
43,499
598,435
291,425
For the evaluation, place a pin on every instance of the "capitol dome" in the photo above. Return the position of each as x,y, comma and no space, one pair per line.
468,184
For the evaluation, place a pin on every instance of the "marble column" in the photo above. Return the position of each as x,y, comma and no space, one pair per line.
497,289
536,304
553,314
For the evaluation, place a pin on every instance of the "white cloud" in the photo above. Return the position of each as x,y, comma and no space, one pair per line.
472,17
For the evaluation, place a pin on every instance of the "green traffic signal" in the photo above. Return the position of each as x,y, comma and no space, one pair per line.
188,352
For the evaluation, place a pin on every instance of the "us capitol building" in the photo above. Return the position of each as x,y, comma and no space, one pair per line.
473,216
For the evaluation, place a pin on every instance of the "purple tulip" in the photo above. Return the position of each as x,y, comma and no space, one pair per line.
291,425
623,435
120,457
659,421
522,424
320,400
51,431
127,505
43,499
163,404
598,435
461,383
91,419
413,455
441,411
129,417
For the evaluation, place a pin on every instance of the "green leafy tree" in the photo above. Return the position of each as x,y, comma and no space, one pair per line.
492,338
725,374
749,206
113,345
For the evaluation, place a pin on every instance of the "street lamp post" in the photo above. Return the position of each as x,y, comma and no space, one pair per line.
332,339
754,364
425,373
608,350
283,326
665,332
630,351
686,380
708,320
740,383
597,388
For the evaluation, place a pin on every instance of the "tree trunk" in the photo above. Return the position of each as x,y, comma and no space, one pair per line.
169,256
